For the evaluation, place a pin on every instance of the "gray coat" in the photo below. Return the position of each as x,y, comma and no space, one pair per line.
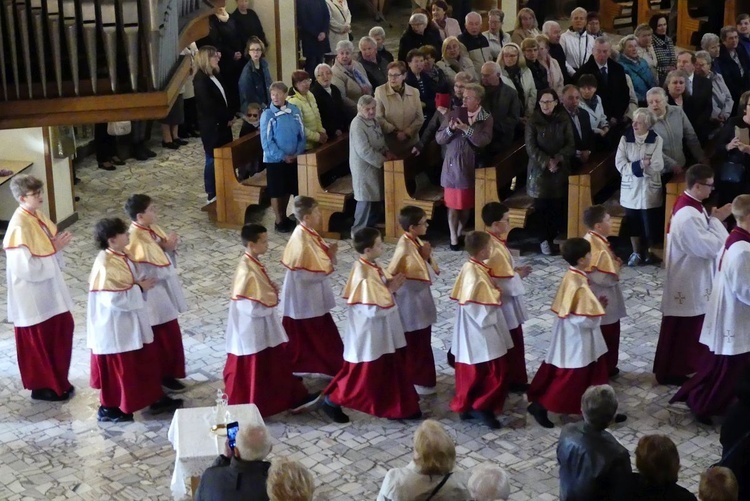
548,137
366,157
461,152
677,133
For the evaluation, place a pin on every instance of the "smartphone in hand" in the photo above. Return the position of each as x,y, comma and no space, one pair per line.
232,429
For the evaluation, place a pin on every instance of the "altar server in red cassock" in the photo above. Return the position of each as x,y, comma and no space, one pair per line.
315,346
39,303
481,338
413,259
604,280
694,240
375,377
153,253
575,359
124,363
726,328
507,278
257,370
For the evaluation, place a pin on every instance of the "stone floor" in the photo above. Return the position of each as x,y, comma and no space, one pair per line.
59,451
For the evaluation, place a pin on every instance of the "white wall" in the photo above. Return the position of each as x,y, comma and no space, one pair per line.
28,145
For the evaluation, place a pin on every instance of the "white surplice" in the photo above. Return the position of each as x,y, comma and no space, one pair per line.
371,332
166,300
306,294
608,285
252,327
576,342
480,334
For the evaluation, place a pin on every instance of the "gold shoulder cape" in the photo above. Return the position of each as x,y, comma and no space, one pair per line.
252,282
306,250
474,285
144,247
111,273
365,285
602,258
500,261
408,260
33,231
575,297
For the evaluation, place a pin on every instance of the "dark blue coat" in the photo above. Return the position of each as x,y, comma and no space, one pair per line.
313,18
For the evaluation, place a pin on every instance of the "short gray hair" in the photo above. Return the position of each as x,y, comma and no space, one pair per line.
703,54
464,77
624,40
377,31
599,406
709,39
418,18
497,13
253,442
365,40
477,89
279,86
602,41
653,91
645,115
22,184
344,45
473,14
642,29
495,67
365,100
489,482
319,67
547,26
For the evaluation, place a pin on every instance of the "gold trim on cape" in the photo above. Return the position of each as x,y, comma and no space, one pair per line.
366,285
575,297
144,245
500,262
252,282
306,250
33,231
111,273
474,285
602,257
407,260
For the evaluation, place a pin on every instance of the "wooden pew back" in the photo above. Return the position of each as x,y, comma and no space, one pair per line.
232,196
491,181
675,187
311,169
584,186
401,188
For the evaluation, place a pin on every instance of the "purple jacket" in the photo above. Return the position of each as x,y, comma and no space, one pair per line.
462,150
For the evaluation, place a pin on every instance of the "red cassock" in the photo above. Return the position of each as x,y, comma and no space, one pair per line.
263,379
378,388
420,359
129,381
170,352
315,345
481,387
560,390
679,352
44,352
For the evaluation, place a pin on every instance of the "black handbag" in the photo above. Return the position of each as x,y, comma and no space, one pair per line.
731,172
439,486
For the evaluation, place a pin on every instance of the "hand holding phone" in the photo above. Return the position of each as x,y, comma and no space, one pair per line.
232,429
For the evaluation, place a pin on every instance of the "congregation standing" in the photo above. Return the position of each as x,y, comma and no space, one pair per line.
507,92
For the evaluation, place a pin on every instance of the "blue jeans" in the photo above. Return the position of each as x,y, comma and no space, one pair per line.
209,177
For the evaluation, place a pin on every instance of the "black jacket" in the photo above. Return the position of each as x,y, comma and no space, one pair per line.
616,94
696,113
643,491
584,139
736,425
410,40
736,82
593,465
558,54
503,104
702,107
213,113
230,480
377,73
249,26
333,113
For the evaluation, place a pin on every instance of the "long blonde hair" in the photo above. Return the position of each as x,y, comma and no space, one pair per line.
203,60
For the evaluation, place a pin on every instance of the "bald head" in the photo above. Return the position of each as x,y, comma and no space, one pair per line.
490,74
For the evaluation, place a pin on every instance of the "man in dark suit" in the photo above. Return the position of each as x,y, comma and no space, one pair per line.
313,24
239,473
701,92
501,101
734,63
612,85
581,122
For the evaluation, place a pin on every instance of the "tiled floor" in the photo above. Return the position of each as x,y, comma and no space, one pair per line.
59,451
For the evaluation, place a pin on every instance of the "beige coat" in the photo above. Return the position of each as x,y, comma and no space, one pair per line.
396,113
340,18
347,84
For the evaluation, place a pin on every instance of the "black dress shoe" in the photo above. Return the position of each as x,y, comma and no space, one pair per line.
179,142
466,416
48,395
672,380
335,413
166,404
518,387
170,146
112,415
149,153
705,420
614,372
107,166
539,413
117,160
195,133
172,385
455,247
140,155
620,418
488,419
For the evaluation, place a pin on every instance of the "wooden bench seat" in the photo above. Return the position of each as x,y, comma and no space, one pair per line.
312,167
584,187
490,182
233,196
402,188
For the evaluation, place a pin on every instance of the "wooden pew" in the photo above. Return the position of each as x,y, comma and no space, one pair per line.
312,166
595,176
733,8
401,188
686,24
616,15
234,196
490,181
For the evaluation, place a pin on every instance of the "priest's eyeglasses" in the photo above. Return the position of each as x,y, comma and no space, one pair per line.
708,185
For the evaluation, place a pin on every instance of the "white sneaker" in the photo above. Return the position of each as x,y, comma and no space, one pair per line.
425,390
546,249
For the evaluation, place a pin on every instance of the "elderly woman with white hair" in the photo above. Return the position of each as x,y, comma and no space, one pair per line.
377,33
375,65
430,474
711,43
367,153
456,60
419,33
289,481
489,482
349,75
722,101
333,112
593,464
673,126
640,162
636,67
